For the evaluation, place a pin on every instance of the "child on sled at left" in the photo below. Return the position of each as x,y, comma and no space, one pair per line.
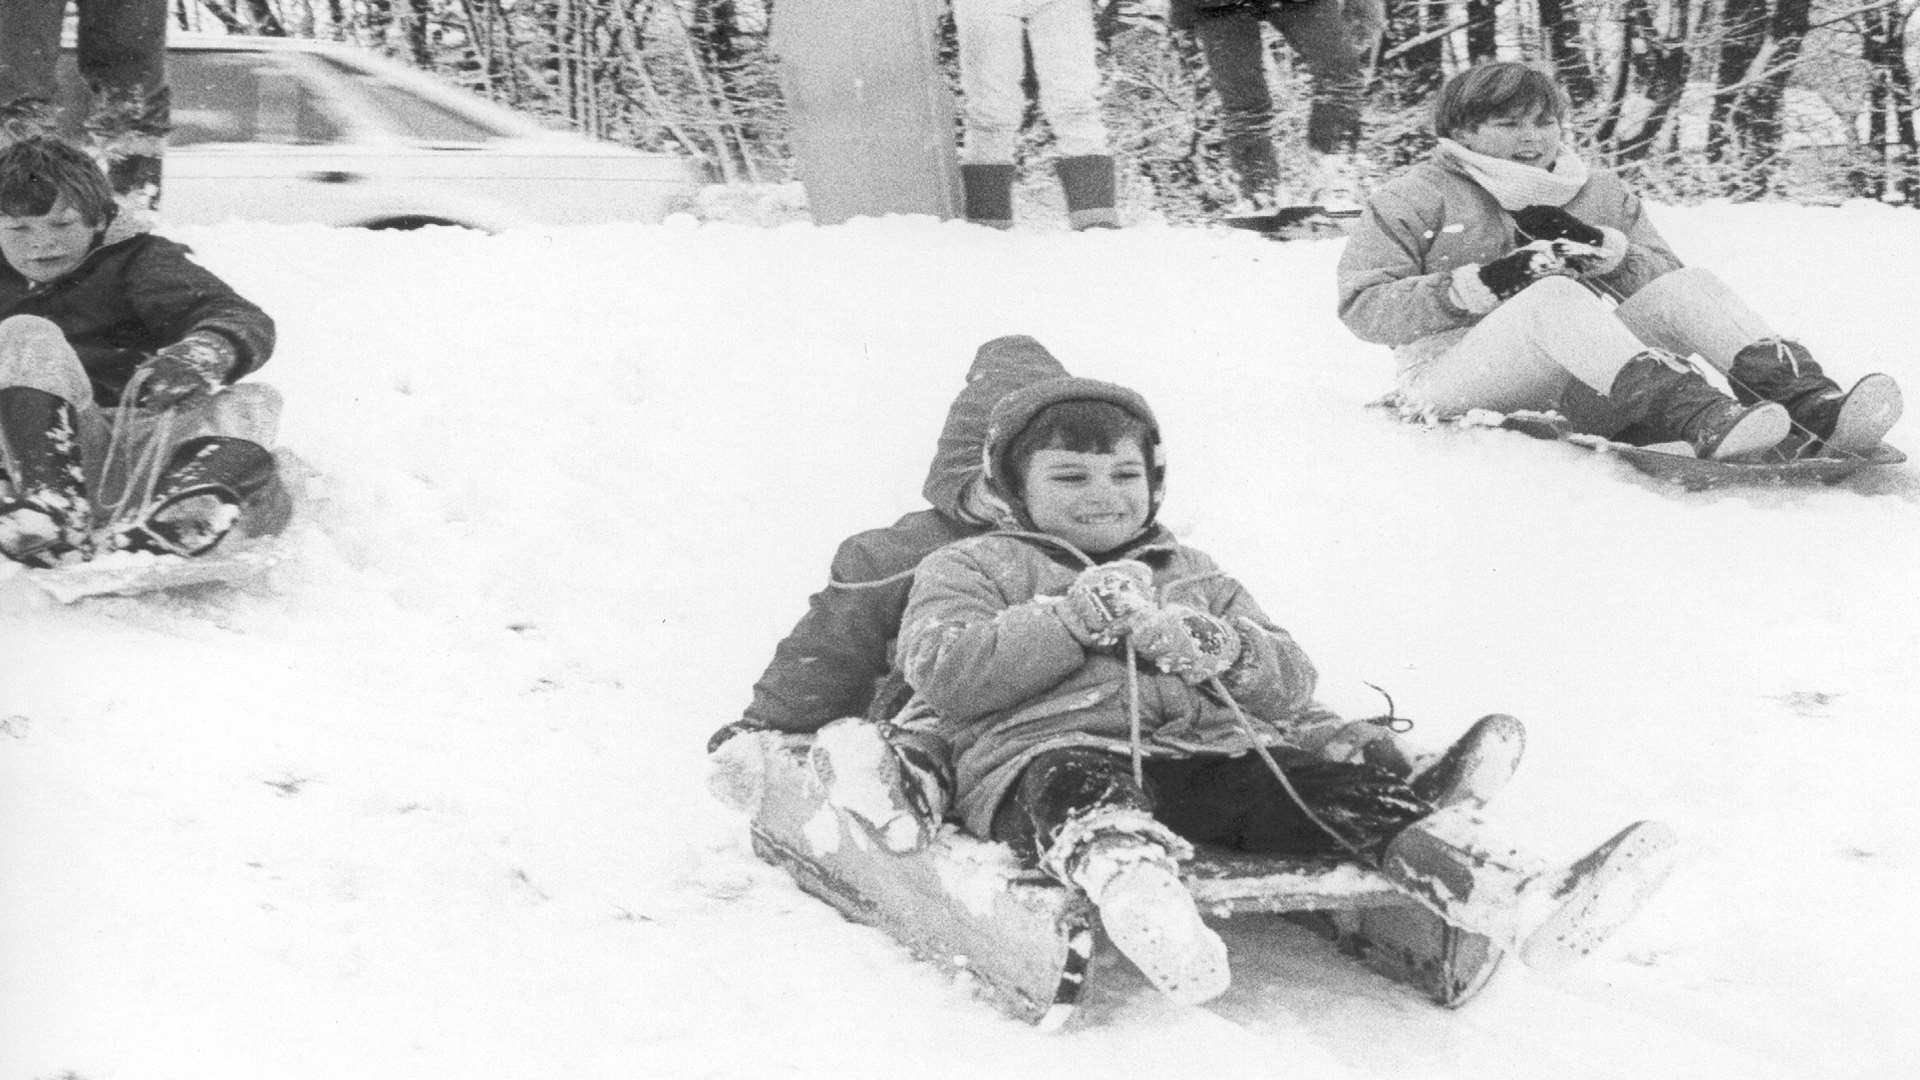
112,337
1112,698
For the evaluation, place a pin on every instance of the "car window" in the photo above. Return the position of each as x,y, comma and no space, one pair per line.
222,96
410,114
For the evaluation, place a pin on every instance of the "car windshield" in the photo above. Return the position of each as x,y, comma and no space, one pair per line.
413,116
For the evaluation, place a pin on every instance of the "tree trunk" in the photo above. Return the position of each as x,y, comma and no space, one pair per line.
1562,30
1482,30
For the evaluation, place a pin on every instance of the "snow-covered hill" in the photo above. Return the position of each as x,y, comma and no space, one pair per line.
432,804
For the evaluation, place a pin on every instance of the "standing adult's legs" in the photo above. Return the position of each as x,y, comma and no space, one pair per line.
29,50
1236,66
122,47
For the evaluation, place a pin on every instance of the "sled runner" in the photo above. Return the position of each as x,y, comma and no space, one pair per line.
1674,462
1294,222
1025,941
873,118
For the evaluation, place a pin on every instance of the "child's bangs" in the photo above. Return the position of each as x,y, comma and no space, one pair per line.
27,195
1494,90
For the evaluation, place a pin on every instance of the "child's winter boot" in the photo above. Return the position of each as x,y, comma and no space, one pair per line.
1550,916
988,190
47,519
1089,185
197,499
1128,868
1476,766
899,790
1662,393
1850,421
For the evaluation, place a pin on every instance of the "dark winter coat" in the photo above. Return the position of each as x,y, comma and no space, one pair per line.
134,294
828,665
1395,271
984,646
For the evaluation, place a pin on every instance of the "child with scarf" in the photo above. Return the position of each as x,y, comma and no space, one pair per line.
1509,275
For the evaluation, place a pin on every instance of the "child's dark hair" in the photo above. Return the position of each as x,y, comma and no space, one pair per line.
1080,425
1498,88
37,172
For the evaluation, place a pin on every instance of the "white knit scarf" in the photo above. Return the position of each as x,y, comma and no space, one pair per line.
1516,185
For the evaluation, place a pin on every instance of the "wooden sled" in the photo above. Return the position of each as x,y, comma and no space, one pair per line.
1025,941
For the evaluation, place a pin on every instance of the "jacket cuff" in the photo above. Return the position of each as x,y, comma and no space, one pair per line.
1469,292
1613,252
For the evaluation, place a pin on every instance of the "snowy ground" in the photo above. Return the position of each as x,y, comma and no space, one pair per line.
431,805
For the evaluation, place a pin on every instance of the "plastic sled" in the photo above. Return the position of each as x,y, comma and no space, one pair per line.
251,549
1675,462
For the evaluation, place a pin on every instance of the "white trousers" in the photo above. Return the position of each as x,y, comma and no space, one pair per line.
993,65
1526,352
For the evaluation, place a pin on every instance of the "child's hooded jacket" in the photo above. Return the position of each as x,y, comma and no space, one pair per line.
135,293
983,645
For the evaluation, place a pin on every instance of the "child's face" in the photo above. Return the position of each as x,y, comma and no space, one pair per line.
44,247
1096,502
1528,138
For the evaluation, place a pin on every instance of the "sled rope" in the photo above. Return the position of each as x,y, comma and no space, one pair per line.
1259,747
140,466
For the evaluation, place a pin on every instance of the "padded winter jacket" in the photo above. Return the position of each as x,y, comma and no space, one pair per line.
1395,273
828,666
983,645
134,294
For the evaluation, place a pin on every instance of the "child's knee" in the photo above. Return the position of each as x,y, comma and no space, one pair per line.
34,353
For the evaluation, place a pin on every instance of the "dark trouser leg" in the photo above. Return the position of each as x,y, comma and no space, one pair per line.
29,48
1236,802
1058,787
122,48
1317,33
1230,42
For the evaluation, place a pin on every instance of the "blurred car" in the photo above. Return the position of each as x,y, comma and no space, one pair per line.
286,130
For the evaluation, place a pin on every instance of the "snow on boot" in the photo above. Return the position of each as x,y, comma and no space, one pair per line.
899,796
988,190
1663,394
1453,864
1476,766
197,500
1088,182
48,519
1852,421
1150,916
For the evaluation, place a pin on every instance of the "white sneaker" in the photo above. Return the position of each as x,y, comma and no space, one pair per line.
1151,918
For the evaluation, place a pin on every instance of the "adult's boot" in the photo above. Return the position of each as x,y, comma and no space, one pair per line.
988,190
1849,421
1454,864
198,498
47,520
1662,394
1088,182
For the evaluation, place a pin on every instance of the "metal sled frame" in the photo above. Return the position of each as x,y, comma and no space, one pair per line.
1025,941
